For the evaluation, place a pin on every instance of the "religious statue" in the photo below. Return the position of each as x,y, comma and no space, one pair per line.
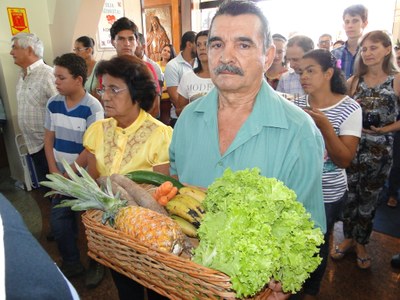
157,38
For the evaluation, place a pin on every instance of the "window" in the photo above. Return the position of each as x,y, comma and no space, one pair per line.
309,17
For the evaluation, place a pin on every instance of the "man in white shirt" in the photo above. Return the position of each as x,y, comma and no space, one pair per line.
296,47
176,67
35,86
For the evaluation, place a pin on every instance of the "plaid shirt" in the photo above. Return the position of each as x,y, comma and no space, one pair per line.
346,59
289,83
33,91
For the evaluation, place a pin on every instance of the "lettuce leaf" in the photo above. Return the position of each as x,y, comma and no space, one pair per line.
254,230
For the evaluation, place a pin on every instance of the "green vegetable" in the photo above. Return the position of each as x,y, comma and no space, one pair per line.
255,230
154,178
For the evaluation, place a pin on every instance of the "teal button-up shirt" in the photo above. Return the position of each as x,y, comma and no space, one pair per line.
278,138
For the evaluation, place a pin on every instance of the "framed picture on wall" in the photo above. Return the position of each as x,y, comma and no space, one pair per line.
158,30
112,11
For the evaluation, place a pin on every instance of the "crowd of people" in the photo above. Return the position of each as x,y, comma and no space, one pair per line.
229,88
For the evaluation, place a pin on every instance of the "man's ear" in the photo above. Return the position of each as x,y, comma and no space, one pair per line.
269,57
113,43
79,80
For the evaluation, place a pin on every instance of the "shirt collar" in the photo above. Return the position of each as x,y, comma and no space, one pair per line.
181,60
268,109
36,64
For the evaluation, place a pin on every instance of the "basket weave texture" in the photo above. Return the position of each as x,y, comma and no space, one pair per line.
169,275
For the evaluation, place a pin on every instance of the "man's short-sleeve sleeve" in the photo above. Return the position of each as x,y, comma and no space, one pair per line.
171,75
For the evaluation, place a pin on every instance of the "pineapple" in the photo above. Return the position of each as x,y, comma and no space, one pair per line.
151,228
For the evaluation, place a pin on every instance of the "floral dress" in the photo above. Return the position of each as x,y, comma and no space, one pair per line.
371,165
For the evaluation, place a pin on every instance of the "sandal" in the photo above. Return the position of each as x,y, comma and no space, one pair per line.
392,202
364,263
337,253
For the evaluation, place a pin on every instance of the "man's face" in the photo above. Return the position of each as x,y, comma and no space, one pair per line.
279,52
236,58
325,43
125,43
353,26
193,49
294,54
66,84
19,55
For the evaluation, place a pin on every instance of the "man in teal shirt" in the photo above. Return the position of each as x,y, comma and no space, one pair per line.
276,137
242,123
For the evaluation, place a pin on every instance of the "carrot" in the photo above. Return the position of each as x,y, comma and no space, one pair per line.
163,190
163,200
172,193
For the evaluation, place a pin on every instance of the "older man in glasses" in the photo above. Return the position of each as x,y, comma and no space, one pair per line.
325,41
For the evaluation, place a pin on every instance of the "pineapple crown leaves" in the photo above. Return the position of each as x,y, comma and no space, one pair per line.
86,191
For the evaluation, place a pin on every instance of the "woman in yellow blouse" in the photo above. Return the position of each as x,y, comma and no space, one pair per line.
129,138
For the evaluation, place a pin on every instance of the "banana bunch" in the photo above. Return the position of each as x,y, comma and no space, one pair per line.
186,209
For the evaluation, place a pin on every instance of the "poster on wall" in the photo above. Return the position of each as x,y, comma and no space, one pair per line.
18,20
112,11
158,30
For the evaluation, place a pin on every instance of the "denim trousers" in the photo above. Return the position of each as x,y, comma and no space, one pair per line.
64,224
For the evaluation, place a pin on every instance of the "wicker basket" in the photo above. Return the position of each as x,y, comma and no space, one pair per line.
167,274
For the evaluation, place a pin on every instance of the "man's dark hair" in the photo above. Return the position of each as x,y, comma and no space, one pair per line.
278,36
188,36
137,76
140,38
357,10
242,7
123,24
75,65
304,42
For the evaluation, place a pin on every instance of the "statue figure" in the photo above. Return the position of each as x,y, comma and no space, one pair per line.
157,38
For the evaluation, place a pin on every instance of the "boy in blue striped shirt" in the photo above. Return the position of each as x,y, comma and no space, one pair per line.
68,114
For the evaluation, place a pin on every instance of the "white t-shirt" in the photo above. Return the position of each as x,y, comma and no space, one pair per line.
193,87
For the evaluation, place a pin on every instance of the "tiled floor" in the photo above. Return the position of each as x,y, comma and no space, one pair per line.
342,281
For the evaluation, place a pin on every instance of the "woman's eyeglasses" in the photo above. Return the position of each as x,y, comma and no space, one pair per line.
79,49
113,91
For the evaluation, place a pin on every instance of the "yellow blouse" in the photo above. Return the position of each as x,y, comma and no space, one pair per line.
140,146
164,95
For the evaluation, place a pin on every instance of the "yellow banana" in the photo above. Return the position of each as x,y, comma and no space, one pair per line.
186,227
194,192
175,207
191,203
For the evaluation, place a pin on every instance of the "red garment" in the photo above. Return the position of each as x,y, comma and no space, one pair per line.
154,75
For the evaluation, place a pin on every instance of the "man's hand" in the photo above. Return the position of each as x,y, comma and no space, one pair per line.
277,292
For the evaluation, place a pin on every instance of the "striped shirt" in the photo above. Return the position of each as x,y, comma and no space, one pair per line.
33,92
70,124
346,119
346,59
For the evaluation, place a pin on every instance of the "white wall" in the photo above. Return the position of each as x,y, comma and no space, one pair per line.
57,23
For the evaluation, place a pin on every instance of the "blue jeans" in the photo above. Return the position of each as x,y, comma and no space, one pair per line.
65,230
